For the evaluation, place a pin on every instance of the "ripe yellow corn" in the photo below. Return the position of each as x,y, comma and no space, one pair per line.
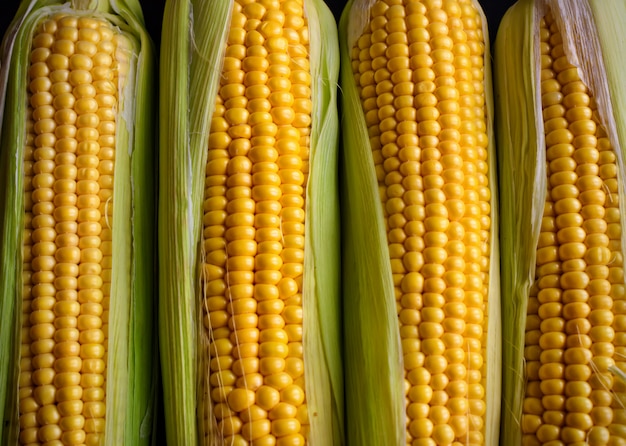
249,310
561,135
421,276
75,266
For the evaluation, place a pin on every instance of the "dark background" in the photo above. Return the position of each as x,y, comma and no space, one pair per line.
153,11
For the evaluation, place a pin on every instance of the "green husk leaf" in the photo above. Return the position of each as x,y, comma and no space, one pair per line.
612,40
177,354
138,401
522,151
194,35
375,398
494,348
372,351
322,266
131,376
520,214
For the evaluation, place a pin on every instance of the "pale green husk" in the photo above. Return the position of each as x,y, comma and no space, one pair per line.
375,399
131,373
373,354
592,33
193,44
519,216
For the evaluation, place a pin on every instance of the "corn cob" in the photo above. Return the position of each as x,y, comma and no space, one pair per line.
561,139
249,221
421,284
75,270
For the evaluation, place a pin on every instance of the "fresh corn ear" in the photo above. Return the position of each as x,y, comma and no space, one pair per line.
77,210
421,282
562,129
248,221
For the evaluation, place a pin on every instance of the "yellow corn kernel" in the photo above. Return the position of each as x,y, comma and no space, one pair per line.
257,157
569,355
68,220
578,203
419,71
266,126
65,300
